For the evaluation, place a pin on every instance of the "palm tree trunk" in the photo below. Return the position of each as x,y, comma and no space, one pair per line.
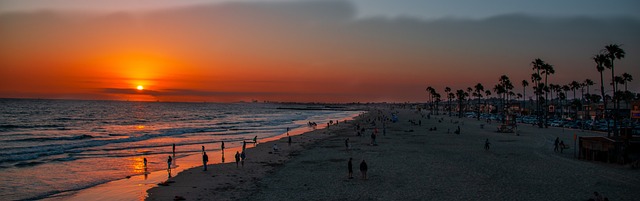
604,107
615,101
546,109
524,98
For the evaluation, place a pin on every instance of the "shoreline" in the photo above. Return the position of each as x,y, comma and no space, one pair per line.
135,187
413,161
233,182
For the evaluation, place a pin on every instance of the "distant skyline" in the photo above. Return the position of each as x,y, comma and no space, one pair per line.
309,51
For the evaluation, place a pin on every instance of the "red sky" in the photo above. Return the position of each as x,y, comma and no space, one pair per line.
288,51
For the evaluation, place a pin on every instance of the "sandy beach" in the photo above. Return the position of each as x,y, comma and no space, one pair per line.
410,162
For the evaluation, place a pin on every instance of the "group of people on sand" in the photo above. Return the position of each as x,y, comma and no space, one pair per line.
559,145
363,168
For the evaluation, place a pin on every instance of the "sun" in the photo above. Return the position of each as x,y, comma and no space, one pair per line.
140,87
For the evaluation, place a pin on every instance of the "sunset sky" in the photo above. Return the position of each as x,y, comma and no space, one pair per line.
328,51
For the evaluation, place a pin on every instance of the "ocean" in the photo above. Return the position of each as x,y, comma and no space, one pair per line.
49,147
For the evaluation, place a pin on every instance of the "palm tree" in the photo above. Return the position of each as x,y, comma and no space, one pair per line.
448,91
450,96
626,77
469,92
587,83
613,52
437,99
524,92
602,61
487,93
547,69
565,89
461,98
562,97
574,85
556,89
538,65
478,94
503,87
431,92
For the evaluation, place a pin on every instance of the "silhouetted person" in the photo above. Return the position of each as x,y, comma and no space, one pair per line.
205,159
242,157
174,150
169,165
203,150
457,131
144,160
561,146
244,145
346,143
363,169
237,158
373,139
350,167
255,140
486,144
556,144
222,145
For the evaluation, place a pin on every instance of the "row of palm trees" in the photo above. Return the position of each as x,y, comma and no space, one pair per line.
542,89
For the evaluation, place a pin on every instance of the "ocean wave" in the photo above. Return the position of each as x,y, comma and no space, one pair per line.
12,126
42,139
28,164
32,153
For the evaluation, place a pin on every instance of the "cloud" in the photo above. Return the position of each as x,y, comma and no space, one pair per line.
321,47
184,92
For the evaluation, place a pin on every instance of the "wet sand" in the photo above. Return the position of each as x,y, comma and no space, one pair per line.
412,163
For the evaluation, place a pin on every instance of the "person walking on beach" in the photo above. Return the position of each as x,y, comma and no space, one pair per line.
486,144
255,140
242,157
174,150
556,144
373,139
350,167
237,158
346,143
363,169
205,159
144,160
244,145
222,146
169,166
